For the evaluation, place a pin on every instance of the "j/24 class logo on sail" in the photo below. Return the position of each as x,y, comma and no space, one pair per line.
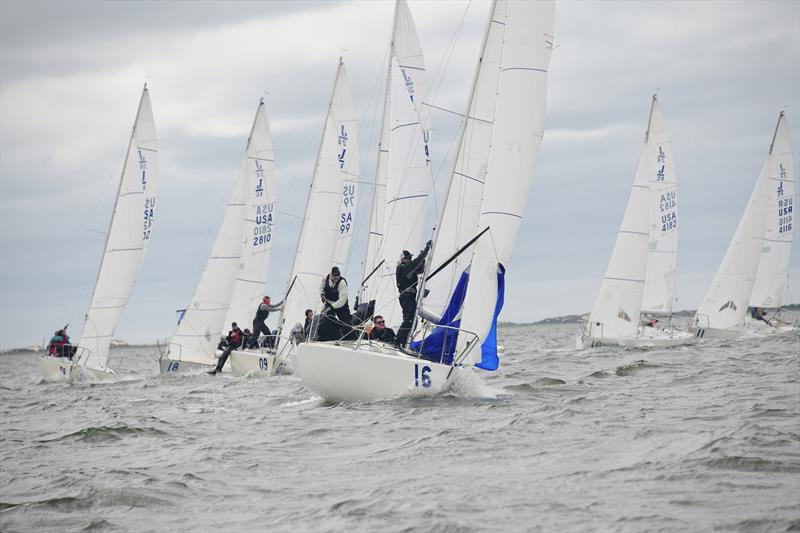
262,232
143,168
260,177
662,159
343,143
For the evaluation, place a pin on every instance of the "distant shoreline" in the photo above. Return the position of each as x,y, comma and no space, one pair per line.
564,319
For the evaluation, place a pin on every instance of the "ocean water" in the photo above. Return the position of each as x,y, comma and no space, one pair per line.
698,438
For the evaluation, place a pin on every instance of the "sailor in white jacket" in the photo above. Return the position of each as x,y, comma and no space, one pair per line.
337,322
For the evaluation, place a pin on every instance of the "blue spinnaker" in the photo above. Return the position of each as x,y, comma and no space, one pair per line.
441,343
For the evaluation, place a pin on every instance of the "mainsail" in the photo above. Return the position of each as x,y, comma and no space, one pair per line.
348,165
197,335
258,170
662,255
773,267
403,177
319,233
516,139
127,240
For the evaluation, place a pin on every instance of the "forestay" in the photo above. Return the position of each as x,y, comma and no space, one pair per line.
462,204
403,177
258,169
318,235
773,266
127,240
725,303
662,255
516,139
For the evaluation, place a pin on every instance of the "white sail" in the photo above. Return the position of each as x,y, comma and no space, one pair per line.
662,256
258,168
516,139
196,338
773,266
318,235
408,178
618,305
348,165
127,240
462,204
726,301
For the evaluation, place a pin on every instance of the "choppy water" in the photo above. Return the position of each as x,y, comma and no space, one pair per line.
687,439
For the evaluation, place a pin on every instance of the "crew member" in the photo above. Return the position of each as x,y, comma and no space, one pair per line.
262,313
336,323
234,340
407,274
380,332
307,324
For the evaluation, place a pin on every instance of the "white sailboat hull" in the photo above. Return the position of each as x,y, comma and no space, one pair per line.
759,328
57,368
716,333
366,372
62,369
645,339
172,367
255,363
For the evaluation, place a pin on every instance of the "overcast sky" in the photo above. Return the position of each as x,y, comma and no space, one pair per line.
71,74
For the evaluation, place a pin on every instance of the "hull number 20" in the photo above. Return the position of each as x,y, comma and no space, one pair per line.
425,375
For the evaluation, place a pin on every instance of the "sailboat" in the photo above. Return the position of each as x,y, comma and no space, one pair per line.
755,267
640,277
324,236
127,240
403,175
235,274
519,41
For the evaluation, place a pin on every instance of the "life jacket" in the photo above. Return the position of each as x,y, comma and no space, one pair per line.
236,336
262,313
404,282
332,293
56,344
